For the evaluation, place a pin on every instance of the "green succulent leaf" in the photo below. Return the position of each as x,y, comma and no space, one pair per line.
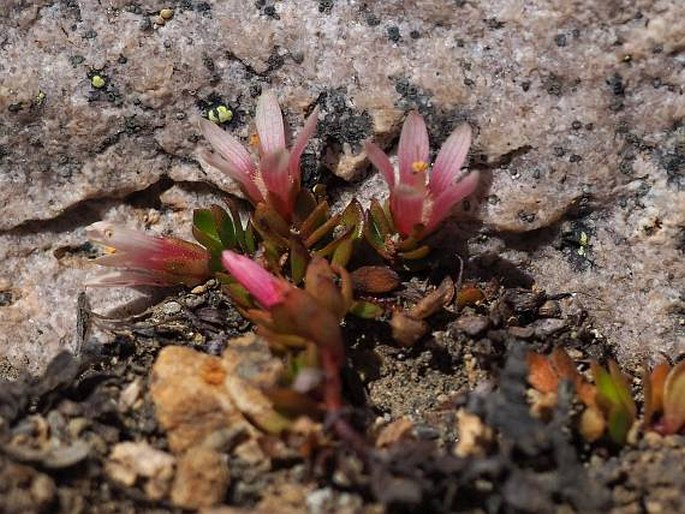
615,400
380,219
299,258
205,230
343,253
353,217
619,425
366,310
316,219
249,239
225,226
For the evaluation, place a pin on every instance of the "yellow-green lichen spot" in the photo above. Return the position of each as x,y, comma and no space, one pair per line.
583,242
219,114
38,99
97,81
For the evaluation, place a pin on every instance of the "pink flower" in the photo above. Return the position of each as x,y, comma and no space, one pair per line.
276,177
266,288
146,259
421,197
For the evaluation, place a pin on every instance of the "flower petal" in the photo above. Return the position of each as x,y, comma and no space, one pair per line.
406,206
412,149
124,240
269,121
132,278
381,161
278,182
246,182
443,204
300,144
228,147
450,159
267,289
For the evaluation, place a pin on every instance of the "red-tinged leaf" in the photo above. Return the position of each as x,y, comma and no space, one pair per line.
316,219
321,282
279,343
654,384
416,254
375,279
565,368
322,231
541,374
270,225
299,258
305,204
366,310
674,399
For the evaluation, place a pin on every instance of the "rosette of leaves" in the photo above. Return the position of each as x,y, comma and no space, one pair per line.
608,404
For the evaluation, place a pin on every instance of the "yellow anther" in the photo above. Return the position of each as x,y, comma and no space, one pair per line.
254,140
419,166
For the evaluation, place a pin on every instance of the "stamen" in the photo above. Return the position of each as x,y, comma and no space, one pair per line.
419,166
254,140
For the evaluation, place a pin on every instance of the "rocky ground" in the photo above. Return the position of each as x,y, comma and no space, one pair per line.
578,112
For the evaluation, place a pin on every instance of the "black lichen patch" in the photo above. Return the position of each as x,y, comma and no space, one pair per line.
341,123
618,89
103,89
370,18
553,84
326,6
672,158
313,172
204,8
72,8
576,243
440,122
393,32
6,298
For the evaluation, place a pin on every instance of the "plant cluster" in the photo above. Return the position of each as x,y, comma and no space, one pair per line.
608,406
291,265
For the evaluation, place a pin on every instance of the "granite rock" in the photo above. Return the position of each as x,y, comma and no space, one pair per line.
577,108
